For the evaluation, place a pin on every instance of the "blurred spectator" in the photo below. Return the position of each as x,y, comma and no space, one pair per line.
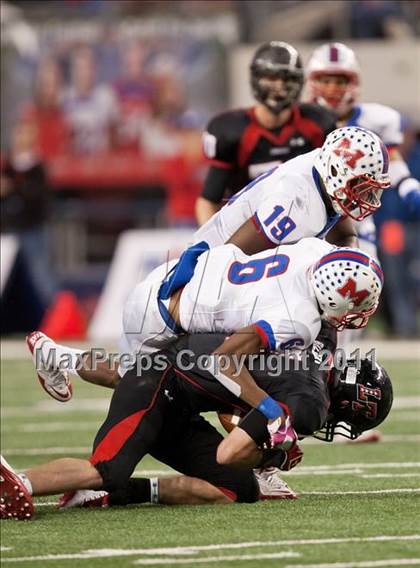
378,19
159,130
135,91
91,110
45,113
25,197
184,173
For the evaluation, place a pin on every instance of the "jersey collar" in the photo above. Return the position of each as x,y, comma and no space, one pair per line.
332,216
354,116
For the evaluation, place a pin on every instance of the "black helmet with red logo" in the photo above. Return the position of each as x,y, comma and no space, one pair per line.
361,399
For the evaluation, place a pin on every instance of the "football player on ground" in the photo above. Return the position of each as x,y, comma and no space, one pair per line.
242,144
156,412
333,77
265,301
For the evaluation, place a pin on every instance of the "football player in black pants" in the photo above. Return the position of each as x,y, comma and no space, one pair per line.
244,143
156,412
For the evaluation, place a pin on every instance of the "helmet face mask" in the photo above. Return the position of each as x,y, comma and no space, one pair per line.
360,197
351,320
353,166
361,400
276,75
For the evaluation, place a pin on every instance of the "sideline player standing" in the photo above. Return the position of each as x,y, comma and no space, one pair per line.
333,82
242,144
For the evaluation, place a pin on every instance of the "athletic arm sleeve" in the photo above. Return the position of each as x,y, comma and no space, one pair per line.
221,140
215,184
255,425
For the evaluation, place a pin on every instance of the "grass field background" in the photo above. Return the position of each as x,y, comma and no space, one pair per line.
358,505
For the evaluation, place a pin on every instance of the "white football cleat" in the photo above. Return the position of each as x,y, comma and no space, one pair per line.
83,498
53,380
272,486
15,500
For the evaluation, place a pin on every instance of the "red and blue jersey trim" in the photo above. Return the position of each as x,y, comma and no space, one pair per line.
260,229
352,256
265,331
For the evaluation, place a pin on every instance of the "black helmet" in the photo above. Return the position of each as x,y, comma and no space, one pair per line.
361,399
277,60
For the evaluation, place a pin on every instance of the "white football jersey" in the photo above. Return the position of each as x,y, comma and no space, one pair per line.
284,203
386,123
271,290
382,120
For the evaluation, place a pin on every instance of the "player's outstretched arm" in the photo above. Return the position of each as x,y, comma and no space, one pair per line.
343,234
205,209
229,369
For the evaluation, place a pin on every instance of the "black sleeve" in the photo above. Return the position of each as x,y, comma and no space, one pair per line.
215,184
255,425
222,137
323,117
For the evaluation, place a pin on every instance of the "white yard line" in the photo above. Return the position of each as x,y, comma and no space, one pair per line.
70,426
387,439
368,492
50,406
189,550
363,564
388,475
47,451
378,465
405,402
205,560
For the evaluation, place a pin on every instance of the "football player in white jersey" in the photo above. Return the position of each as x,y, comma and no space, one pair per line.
307,196
333,80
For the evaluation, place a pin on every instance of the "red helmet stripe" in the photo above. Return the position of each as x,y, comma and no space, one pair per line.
352,256
345,255
333,54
